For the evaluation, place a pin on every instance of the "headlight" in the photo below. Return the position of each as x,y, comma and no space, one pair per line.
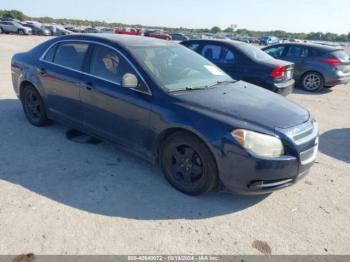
260,144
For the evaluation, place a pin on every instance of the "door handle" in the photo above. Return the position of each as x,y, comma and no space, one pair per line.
88,85
42,71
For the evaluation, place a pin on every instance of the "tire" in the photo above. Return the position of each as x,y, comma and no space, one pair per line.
312,82
20,32
188,164
1,31
34,107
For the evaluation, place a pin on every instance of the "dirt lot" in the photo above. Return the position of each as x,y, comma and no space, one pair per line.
59,197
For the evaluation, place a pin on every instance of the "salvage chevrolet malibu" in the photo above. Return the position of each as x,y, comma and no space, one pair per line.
171,106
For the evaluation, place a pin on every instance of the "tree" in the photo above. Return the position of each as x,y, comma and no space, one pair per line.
229,30
215,30
13,14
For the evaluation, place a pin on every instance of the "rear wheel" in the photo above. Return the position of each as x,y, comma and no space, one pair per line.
312,82
188,164
34,107
1,31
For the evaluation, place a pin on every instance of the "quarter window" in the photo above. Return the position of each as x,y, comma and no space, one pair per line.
71,55
193,46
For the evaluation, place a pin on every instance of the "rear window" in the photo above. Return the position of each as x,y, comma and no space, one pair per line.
254,53
341,54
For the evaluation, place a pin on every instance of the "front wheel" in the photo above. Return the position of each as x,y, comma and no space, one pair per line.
188,164
20,32
312,82
34,107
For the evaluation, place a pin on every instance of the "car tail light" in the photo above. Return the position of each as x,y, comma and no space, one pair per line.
331,61
278,72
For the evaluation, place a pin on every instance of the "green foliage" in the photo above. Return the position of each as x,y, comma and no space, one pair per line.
215,30
15,14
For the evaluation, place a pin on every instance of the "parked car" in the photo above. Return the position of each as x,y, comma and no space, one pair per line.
107,30
74,29
245,62
91,30
38,29
269,40
179,37
14,27
157,34
169,105
128,31
316,66
58,30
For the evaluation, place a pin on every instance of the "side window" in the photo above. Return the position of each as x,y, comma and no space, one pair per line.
50,54
227,56
193,46
212,53
297,52
276,51
107,64
71,55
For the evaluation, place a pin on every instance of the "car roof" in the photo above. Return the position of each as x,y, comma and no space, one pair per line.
122,40
313,45
223,41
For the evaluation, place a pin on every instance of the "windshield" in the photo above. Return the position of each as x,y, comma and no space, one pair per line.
178,68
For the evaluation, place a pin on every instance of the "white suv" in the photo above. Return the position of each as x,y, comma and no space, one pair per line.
14,27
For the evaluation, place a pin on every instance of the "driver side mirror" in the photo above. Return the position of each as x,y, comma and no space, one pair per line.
130,81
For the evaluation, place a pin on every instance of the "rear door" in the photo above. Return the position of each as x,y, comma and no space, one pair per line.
60,72
299,55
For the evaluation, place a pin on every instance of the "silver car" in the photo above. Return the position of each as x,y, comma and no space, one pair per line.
14,27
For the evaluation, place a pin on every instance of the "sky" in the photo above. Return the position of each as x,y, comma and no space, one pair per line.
289,15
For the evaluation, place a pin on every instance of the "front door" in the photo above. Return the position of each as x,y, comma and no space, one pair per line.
110,110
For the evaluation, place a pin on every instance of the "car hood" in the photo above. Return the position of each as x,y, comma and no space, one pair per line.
245,102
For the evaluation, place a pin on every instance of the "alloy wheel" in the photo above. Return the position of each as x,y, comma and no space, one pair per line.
312,81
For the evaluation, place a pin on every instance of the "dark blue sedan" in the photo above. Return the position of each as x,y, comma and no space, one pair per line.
245,62
171,106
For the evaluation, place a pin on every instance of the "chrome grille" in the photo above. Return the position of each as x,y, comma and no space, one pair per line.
304,132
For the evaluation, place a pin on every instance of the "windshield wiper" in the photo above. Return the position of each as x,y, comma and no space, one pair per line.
190,88
221,82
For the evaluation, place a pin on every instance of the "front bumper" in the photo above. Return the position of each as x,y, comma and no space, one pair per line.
244,173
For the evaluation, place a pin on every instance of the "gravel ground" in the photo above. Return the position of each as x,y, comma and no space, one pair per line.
59,197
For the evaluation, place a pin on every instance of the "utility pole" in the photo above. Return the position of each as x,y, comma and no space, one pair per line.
233,27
